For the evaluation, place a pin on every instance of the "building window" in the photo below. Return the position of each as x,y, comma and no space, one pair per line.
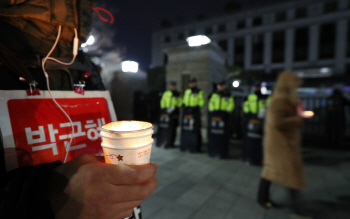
240,24
278,47
239,52
327,41
223,44
180,36
167,39
221,28
300,13
258,49
301,44
348,39
208,30
330,7
280,17
257,21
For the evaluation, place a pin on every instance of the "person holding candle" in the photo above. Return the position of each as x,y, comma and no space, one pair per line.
193,101
169,118
221,104
282,158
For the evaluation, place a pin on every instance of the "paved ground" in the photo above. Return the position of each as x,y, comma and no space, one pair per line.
195,186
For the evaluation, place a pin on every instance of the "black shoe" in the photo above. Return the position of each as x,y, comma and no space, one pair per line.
269,205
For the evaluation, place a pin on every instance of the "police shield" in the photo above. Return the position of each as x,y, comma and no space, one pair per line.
252,153
190,131
166,130
218,134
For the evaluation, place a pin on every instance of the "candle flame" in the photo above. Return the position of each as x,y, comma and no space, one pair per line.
308,114
127,126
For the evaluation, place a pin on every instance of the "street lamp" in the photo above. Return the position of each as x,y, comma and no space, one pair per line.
198,40
89,41
235,84
130,66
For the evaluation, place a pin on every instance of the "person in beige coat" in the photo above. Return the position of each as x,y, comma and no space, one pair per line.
282,135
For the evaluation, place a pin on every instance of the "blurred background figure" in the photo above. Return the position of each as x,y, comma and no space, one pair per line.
336,106
221,104
169,117
193,101
254,112
282,134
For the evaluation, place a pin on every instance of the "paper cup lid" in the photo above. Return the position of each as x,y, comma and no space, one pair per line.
140,136
126,126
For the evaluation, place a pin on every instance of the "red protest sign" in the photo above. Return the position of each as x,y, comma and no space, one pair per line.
41,131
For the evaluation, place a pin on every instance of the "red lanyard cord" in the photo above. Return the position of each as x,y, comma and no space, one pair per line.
98,9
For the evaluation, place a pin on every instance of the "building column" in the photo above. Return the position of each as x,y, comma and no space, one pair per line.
289,51
248,52
340,48
230,52
267,51
314,33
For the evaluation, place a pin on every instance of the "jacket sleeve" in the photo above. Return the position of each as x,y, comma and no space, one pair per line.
162,102
6,3
201,99
231,104
179,101
283,115
24,192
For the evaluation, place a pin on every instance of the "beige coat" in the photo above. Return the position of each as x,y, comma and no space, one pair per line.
282,159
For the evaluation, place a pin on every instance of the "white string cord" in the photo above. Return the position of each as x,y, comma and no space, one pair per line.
47,57
75,48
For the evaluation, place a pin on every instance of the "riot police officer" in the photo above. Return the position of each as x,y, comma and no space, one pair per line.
193,101
221,104
254,112
169,118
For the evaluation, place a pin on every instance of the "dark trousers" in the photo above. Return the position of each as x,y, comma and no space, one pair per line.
264,194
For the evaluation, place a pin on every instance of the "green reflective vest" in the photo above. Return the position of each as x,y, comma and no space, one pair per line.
253,105
169,100
221,103
193,99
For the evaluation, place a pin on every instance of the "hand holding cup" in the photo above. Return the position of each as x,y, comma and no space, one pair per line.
85,188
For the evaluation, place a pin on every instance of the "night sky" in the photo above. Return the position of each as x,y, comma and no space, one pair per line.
135,21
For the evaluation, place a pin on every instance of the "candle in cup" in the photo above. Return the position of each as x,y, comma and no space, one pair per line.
127,142
308,114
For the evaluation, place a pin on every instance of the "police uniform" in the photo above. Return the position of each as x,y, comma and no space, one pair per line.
254,112
191,138
169,118
221,104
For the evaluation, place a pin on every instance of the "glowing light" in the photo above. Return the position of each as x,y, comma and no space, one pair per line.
130,66
235,84
198,40
308,114
89,41
324,70
263,90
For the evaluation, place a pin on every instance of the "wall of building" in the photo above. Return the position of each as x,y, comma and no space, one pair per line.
291,35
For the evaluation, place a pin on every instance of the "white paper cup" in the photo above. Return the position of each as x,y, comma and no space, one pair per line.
127,142
122,155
